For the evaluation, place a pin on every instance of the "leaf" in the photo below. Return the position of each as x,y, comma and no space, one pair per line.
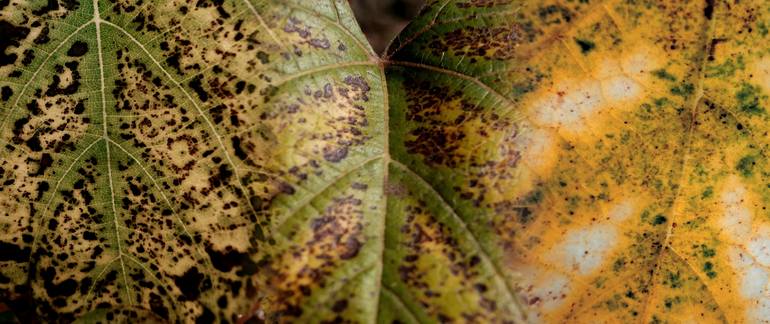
149,146
559,161
612,153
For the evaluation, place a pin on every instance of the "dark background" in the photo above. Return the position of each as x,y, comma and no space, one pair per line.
381,20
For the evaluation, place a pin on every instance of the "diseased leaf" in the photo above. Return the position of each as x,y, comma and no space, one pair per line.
148,147
612,153
557,161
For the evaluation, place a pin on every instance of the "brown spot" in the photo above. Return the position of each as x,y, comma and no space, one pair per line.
335,154
78,48
10,35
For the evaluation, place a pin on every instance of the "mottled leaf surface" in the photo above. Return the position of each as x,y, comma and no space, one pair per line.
612,153
149,146
506,161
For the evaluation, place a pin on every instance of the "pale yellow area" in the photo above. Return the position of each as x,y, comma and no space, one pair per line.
545,291
559,270
534,150
736,221
179,153
572,105
748,249
761,73
576,110
567,273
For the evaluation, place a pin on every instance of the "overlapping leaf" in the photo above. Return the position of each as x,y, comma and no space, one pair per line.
175,161
148,147
612,153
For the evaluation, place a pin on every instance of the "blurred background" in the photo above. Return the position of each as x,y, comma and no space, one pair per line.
381,20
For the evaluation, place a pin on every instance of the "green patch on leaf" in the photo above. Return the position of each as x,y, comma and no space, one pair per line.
707,193
618,264
707,251
659,219
662,101
683,90
669,302
745,165
708,268
748,99
726,69
674,279
663,75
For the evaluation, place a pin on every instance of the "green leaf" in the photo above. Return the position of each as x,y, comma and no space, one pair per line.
221,161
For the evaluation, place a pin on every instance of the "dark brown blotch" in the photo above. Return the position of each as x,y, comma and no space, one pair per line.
191,284
5,93
10,35
78,49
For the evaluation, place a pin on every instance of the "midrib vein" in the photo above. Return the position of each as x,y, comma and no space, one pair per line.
97,22
386,173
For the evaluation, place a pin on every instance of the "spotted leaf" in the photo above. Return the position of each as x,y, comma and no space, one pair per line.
148,147
557,161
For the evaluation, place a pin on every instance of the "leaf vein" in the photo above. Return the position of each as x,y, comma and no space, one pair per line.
500,279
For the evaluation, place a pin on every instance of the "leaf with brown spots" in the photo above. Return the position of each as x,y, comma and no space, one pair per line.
148,149
224,161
